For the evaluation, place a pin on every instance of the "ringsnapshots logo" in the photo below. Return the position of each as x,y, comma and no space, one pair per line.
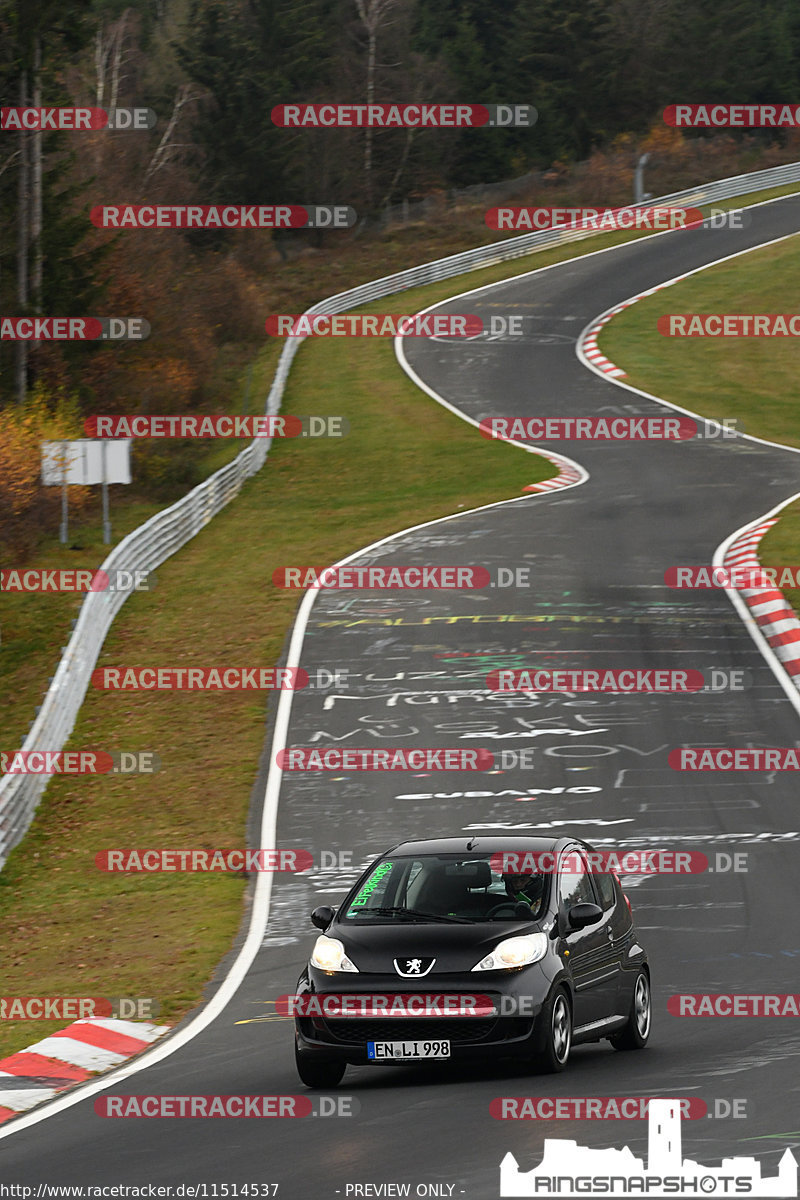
404,116
223,216
567,1169
70,118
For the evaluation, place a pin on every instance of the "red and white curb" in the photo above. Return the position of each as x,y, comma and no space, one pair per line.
589,339
769,607
768,610
67,1057
569,473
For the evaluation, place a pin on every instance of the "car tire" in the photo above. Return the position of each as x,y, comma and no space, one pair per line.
556,1018
634,1035
317,1072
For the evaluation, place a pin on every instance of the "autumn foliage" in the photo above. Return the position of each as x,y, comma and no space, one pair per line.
27,509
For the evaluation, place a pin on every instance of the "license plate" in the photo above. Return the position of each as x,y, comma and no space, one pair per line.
396,1051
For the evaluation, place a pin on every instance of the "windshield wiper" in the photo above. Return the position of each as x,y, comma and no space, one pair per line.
397,910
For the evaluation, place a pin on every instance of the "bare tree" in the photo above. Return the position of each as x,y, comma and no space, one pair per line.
373,15
23,240
167,148
110,57
36,184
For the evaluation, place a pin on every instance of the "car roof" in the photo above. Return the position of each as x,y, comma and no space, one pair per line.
486,844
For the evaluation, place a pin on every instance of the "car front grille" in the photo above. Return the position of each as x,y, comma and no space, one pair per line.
464,1031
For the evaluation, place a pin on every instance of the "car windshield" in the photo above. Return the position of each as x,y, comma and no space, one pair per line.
446,887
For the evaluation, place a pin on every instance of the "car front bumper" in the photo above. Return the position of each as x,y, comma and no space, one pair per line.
514,1030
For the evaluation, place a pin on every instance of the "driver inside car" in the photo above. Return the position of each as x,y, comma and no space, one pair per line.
527,889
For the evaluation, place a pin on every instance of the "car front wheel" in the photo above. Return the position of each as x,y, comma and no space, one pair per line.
634,1035
318,1073
557,1026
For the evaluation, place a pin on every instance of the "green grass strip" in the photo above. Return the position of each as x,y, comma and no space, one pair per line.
751,379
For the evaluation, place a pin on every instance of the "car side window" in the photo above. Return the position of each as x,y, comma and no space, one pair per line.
605,887
574,884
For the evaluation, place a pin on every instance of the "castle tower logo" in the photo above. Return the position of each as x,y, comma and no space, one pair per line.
568,1169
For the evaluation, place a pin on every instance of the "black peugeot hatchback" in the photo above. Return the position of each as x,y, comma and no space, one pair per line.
459,949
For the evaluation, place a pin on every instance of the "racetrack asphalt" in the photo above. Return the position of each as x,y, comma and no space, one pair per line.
417,664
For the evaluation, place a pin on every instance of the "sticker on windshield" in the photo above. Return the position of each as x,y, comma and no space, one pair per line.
372,883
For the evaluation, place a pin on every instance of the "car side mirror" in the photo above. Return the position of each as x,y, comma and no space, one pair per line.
583,914
322,916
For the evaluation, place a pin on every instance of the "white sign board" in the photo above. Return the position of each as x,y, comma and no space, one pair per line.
86,461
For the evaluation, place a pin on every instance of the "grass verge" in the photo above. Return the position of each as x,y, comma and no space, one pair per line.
72,930
751,379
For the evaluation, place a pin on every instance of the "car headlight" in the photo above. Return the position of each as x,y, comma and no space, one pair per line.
514,952
329,955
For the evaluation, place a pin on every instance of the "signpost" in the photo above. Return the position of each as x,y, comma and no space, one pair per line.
85,462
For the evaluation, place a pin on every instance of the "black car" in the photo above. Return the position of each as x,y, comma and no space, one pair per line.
460,949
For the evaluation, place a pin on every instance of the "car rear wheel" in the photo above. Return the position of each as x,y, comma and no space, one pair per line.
557,1023
634,1035
318,1073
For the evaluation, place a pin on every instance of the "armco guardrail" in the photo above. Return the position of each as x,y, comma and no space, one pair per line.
154,541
